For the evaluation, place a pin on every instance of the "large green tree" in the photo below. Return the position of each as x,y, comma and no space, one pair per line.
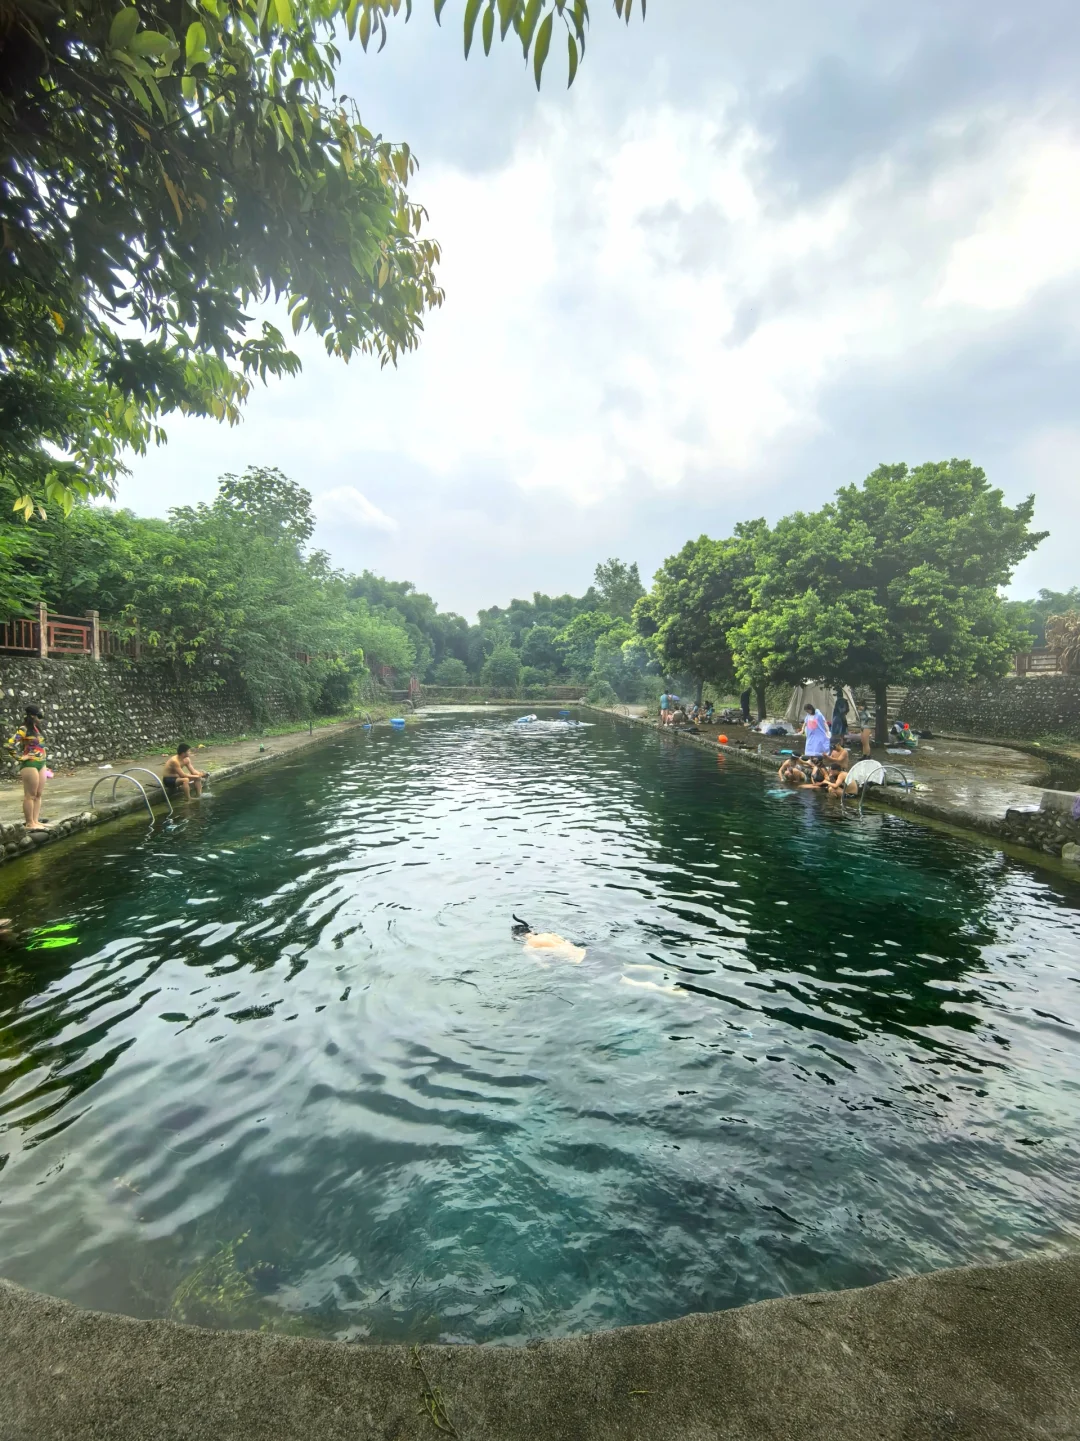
166,165
619,587
699,597
895,581
576,642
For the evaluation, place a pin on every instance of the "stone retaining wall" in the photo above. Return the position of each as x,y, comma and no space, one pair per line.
104,710
1054,828
1016,708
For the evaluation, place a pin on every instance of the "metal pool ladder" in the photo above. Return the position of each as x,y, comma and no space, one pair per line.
127,776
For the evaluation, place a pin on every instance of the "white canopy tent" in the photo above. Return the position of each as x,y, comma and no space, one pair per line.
822,697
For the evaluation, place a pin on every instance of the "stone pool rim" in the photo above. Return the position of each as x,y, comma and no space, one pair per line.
976,1353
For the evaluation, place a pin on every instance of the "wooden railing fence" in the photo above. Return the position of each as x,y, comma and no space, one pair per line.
68,635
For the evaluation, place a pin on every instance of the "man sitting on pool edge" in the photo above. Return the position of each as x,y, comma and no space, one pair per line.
180,773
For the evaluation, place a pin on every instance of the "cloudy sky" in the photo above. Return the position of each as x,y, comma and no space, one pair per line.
760,247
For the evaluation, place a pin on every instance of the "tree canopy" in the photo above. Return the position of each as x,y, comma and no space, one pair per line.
893,581
699,598
233,590
167,165
619,587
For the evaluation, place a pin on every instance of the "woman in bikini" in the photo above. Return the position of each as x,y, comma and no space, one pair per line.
28,746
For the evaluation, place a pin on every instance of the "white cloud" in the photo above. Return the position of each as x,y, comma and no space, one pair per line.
652,327
346,506
1028,237
576,354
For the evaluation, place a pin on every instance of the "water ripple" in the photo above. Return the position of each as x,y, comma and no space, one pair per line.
298,1074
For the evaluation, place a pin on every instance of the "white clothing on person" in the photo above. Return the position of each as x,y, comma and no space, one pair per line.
816,730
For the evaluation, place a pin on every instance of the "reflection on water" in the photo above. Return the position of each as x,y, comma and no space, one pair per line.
297,1071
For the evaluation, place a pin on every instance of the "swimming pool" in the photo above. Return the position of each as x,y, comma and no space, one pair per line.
296,1072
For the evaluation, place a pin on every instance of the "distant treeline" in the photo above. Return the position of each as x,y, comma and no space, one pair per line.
232,589
896,580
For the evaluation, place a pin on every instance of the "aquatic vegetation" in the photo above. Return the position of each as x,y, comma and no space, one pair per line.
217,1292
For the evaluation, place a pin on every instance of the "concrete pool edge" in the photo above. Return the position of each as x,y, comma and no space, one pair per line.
16,842
970,824
973,1354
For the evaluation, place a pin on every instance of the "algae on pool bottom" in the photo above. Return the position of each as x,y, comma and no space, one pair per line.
297,1072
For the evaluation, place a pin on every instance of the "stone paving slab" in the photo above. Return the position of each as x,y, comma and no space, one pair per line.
984,1353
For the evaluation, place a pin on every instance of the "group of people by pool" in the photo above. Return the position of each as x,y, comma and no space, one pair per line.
826,760
28,749
675,712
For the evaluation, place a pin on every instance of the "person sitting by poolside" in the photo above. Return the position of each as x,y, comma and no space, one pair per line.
839,755
840,783
180,773
818,778
791,771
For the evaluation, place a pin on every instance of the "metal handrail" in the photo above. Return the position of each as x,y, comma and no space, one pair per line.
143,770
908,785
122,777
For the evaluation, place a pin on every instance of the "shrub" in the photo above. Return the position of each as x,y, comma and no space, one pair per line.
502,668
451,671
601,693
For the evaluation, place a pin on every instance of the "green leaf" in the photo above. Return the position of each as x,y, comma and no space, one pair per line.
528,25
350,18
136,88
439,4
488,29
159,99
571,45
195,41
151,42
472,10
507,10
543,45
123,27
285,13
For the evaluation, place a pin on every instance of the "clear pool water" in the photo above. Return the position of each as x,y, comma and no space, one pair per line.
297,1072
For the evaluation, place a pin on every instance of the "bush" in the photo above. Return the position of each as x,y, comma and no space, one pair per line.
502,668
451,671
536,677
600,693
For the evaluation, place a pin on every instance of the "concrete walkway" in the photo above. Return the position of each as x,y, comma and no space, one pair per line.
967,785
977,1354
67,795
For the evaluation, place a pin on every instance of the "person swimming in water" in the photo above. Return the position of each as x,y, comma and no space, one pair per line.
546,941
